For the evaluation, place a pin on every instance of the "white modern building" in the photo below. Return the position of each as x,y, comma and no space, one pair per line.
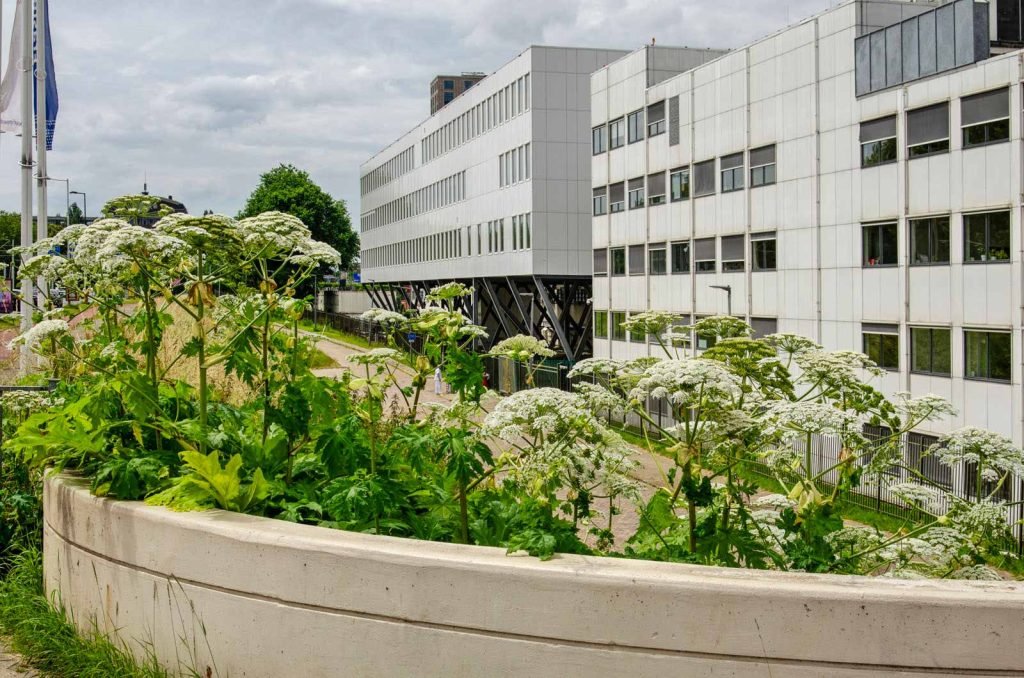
856,178
494,190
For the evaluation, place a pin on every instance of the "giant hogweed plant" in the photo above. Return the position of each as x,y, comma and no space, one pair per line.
749,404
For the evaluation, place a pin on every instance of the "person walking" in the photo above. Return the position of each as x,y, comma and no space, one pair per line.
437,380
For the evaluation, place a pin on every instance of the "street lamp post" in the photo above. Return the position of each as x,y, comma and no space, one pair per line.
67,198
728,293
85,205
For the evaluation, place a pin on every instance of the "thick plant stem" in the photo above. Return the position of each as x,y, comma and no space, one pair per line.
265,364
201,329
151,348
463,512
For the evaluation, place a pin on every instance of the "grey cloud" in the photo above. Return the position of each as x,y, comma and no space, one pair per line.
203,96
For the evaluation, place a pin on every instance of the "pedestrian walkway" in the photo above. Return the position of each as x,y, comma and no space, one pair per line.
11,665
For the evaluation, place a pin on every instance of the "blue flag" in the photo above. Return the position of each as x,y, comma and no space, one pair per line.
52,101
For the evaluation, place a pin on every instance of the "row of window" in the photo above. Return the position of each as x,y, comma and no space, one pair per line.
631,128
433,247
986,239
519,238
514,166
987,355
733,177
500,107
438,194
984,119
395,167
484,238
676,257
609,325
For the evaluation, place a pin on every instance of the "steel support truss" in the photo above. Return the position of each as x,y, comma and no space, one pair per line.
557,310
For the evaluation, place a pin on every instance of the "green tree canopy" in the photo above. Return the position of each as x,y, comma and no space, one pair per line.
75,215
288,189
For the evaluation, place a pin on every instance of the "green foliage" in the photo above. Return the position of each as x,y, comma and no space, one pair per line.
290,190
208,484
48,642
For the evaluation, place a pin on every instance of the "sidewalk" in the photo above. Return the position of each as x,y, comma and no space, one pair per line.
11,666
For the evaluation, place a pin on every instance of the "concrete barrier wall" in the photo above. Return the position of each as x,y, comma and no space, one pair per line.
249,596
350,302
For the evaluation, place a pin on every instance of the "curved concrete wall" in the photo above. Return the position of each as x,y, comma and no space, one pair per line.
249,596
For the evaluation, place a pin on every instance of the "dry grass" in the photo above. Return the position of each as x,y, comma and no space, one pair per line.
225,387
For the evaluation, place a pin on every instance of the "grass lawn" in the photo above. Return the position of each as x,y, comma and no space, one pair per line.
332,333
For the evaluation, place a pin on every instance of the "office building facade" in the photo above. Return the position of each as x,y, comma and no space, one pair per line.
494,191
855,178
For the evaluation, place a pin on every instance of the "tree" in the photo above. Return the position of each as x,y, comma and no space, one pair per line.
290,190
10,230
75,215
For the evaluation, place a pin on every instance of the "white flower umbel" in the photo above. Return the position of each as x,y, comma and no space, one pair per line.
312,253
598,398
977,573
538,413
790,343
522,347
834,367
383,317
928,407
272,234
927,498
791,420
376,356
690,382
448,291
38,333
595,367
995,455
722,327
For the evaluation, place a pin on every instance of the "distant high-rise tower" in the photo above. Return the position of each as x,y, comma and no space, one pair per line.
444,88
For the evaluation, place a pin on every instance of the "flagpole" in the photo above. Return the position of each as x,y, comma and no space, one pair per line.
26,174
42,212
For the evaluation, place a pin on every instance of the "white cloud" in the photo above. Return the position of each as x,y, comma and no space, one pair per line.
204,96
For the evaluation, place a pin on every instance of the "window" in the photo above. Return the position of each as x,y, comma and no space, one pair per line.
616,133
636,259
879,244
600,201
618,331
704,178
732,172
928,130
448,96
679,333
929,350
656,119
656,188
600,324
636,126
638,337
466,84
704,255
987,355
680,257
618,261
987,237
449,84
764,326
762,251
1009,27
601,262
929,241
599,139
733,253
878,141
636,193
762,166
882,344
680,184
985,117
616,197
657,256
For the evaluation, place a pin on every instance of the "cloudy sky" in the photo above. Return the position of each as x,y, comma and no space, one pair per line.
204,95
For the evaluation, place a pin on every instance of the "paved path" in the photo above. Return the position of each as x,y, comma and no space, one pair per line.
11,666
